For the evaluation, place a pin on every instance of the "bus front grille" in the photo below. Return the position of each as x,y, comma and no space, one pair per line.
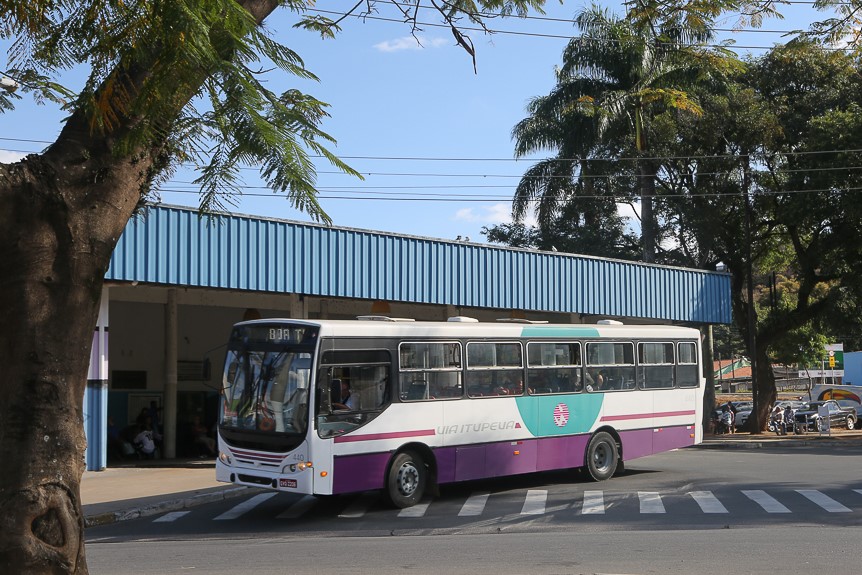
255,479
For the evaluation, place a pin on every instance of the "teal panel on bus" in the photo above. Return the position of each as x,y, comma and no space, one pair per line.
574,331
546,415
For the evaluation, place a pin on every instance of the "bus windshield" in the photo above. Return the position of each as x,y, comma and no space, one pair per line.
266,391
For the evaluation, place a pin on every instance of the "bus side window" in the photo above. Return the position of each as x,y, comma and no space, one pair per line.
417,390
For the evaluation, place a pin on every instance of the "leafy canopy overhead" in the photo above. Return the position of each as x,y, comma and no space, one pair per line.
184,80
184,77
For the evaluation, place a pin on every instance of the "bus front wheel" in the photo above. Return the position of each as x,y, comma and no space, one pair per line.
406,480
602,456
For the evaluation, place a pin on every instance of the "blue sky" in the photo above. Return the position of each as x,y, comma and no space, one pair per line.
432,137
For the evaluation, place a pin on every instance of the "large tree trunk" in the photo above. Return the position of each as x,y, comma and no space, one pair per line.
646,181
766,392
58,229
61,214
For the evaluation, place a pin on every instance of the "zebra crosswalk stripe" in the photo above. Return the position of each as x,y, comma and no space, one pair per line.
708,502
650,502
594,503
172,516
474,505
823,501
298,508
767,502
245,506
534,503
417,510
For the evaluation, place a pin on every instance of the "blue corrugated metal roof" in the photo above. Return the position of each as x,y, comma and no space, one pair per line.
174,246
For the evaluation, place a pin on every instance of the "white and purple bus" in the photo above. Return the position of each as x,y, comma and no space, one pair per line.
327,407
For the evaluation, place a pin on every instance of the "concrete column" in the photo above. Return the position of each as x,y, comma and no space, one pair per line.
298,309
96,393
707,351
169,411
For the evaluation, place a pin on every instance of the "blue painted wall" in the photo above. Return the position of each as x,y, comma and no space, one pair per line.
853,368
95,424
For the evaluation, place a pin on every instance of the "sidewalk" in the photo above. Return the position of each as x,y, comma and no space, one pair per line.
144,488
745,440
139,489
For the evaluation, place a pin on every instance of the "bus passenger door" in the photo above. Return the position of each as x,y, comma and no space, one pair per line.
320,453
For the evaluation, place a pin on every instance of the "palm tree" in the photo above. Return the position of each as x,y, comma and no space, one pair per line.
614,78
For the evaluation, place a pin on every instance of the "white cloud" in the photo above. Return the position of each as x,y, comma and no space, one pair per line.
496,214
7,157
410,43
491,215
632,213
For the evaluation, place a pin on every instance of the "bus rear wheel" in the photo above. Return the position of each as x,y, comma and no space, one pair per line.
602,456
406,480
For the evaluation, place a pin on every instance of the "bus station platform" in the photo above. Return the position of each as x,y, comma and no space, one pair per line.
130,490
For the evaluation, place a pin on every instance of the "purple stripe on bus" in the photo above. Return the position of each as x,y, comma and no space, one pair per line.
561,452
391,435
467,462
359,472
636,443
667,438
646,415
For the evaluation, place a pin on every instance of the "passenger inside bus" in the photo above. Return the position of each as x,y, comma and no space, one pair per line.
595,381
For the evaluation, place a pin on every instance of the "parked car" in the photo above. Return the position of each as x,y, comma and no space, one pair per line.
850,404
808,416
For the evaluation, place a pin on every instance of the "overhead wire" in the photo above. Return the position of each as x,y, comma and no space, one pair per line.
428,197
519,160
530,160
487,30
494,15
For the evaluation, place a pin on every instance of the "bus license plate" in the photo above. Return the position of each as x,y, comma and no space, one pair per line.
287,483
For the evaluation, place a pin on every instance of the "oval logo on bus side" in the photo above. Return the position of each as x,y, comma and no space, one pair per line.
561,415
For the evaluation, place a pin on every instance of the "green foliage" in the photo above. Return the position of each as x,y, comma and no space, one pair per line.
801,346
584,226
184,81
727,342
786,131
618,77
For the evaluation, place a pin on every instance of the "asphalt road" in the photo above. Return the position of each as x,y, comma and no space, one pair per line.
677,512
745,551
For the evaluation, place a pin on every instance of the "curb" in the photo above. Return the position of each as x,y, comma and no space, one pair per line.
110,517
760,444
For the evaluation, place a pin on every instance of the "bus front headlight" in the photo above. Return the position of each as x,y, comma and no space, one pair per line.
224,458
